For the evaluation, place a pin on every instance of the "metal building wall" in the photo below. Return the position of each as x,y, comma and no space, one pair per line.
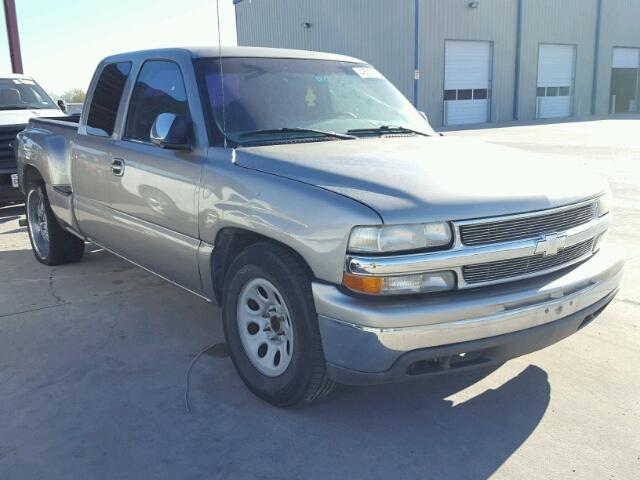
380,32
441,20
620,28
571,22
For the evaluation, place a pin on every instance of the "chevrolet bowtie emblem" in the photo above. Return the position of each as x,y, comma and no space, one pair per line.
551,244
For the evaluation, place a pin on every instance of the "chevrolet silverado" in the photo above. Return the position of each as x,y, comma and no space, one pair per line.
345,240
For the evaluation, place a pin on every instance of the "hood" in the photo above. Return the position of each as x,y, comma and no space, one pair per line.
21,117
418,179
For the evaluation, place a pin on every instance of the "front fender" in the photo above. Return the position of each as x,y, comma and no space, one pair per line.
312,221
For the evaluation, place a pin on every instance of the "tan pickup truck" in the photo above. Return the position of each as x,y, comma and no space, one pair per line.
345,240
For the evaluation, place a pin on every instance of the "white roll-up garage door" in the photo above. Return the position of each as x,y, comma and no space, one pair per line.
556,66
626,58
467,82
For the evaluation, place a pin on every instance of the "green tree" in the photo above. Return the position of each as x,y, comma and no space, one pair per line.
75,95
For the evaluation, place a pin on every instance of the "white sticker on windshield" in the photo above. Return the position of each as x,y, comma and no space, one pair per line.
19,81
367,72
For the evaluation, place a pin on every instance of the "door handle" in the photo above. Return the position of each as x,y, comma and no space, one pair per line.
117,167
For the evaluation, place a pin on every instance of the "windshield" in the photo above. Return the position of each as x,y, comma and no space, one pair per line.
23,93
264,99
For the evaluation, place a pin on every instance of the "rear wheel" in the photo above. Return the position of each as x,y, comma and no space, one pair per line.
271,326
50,243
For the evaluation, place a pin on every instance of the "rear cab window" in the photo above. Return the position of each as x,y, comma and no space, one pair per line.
106,99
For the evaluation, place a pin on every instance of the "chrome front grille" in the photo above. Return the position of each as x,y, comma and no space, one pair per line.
523,266
530,226
7,138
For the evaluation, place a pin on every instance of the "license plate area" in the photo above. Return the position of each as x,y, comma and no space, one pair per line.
14,180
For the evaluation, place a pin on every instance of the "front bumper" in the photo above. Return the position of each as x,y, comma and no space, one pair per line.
377,340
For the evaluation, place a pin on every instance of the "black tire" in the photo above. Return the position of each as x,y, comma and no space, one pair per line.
61,246
305,379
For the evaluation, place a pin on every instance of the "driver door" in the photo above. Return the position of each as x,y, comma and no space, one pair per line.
154,191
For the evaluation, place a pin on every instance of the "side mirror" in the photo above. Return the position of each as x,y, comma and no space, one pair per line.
170,131
62,105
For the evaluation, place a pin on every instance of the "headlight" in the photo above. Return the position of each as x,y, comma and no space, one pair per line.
401,285
399,238
604,204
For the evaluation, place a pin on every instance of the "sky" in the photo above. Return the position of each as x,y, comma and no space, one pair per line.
63,40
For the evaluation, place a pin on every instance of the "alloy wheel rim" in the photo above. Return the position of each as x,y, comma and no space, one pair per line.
38,224
265,327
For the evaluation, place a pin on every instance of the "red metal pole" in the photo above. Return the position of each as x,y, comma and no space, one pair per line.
14,38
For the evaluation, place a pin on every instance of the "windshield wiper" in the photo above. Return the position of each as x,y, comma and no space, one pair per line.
14,107
387,129
271,131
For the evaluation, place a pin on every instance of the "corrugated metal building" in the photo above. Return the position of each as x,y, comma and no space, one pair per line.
470,62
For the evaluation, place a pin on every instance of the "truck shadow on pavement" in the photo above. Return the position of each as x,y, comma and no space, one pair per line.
409,430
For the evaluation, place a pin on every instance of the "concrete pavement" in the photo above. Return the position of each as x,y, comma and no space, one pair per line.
93,359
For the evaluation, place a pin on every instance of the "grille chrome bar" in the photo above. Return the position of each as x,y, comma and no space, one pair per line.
7,136
507,270
485,232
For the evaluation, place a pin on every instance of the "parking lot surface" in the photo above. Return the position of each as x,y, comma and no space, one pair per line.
93,359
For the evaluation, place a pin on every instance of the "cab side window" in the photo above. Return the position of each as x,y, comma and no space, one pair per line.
106,99
158,89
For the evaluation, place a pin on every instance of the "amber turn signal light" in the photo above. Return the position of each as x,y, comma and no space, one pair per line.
358,283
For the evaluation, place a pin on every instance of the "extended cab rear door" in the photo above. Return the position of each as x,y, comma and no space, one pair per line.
91,151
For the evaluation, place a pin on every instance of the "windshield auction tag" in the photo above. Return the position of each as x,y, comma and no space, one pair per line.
310,97
367,72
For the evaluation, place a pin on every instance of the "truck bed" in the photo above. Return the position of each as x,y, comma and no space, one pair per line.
70,122
50,139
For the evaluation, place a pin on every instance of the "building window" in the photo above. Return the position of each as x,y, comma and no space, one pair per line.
564,91
480,94
552,91
450,94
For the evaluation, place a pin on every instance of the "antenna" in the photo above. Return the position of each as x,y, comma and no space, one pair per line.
224,115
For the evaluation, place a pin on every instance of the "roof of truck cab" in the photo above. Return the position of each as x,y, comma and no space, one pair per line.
228,51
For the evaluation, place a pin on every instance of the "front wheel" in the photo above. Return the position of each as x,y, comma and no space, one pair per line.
51,244
271,326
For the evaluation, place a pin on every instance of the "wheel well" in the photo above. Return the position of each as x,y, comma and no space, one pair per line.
230,242
31,175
